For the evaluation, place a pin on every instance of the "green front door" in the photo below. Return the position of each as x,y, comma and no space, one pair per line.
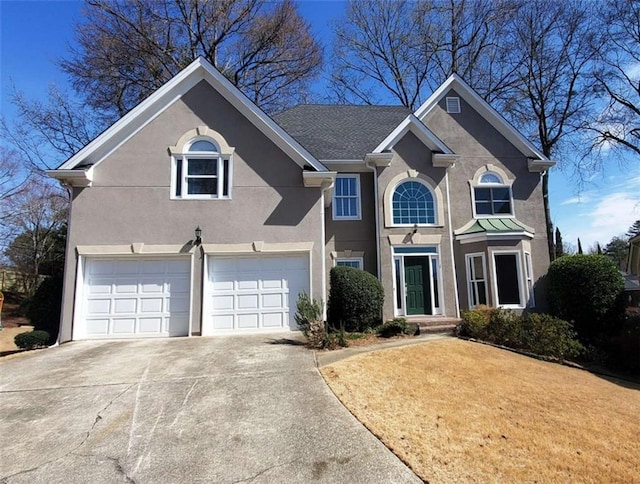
417,285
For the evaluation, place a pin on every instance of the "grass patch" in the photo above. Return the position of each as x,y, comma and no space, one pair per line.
457,411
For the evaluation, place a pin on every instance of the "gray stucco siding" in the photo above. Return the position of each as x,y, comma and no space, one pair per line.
130,200
478,143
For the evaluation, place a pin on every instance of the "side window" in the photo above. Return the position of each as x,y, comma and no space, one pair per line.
492,196
201,171
346,198
476,279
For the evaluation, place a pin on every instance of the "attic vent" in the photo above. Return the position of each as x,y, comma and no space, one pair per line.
453,105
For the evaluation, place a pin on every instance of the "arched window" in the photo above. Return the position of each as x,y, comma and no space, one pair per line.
413,203
201,171
492,196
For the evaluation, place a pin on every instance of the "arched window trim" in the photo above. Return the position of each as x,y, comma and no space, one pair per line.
412,223
422,178
201,175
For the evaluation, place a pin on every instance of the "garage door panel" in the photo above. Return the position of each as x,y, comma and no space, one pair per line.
273,320
222,302
151,305
177,304
273,300
99,306
125,306
124,326
248,321
150,325
97,327
253,293
136,297
247,301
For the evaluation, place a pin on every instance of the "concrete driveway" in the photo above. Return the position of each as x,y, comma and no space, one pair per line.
229,409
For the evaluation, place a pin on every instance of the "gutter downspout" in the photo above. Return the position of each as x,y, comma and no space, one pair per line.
374,168
453,260
324,188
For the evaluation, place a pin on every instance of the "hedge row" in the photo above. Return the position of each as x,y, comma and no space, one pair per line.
539,333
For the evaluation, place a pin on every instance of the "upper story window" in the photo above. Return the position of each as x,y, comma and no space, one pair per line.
413,203
492,196
202,171
346,198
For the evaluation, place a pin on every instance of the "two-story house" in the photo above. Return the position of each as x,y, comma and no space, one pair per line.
198,214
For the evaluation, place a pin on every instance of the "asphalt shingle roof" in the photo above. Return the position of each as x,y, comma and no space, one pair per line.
340,132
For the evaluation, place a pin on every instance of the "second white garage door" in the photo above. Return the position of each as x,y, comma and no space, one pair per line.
252,294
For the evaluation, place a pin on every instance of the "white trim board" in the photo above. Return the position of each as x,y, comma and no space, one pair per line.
200,69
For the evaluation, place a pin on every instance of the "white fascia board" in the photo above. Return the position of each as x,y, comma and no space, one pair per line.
75,178
417,127
494,118
200,69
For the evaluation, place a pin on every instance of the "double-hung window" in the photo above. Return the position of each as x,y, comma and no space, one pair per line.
476,279
202,172
346,198
492,196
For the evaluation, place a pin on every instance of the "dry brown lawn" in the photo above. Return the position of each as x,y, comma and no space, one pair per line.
457,411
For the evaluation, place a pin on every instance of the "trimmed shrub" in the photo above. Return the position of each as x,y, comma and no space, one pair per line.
474,324
505,328
355,299
32,340
545,335
43,309
393,327
587,290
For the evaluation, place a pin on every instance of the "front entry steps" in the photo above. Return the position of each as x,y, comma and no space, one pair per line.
434,324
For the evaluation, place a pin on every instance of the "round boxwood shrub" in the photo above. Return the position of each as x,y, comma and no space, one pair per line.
587,290
355,299
43,309
32,339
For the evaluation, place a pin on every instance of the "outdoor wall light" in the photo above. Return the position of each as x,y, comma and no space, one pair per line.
198,233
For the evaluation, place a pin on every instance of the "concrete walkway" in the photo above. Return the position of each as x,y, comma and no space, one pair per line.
224,410
325,358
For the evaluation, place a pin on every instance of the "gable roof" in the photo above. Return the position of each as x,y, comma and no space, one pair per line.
417,127
199,70
340,132
493,117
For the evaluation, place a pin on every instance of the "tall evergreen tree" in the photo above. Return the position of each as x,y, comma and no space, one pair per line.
634,230
579,246
559,249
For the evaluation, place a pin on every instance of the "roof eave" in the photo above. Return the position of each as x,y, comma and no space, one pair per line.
74,178
200,69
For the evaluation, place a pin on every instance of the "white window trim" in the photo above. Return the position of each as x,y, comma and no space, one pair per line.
358,198
492,185
359,260
470,282
436,214
183,158
529,279
519,271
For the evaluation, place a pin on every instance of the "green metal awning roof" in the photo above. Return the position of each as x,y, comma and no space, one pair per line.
495,226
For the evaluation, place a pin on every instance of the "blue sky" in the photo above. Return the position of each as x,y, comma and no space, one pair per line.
33,34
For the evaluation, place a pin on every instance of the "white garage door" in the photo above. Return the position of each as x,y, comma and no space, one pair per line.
135,298
252,294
